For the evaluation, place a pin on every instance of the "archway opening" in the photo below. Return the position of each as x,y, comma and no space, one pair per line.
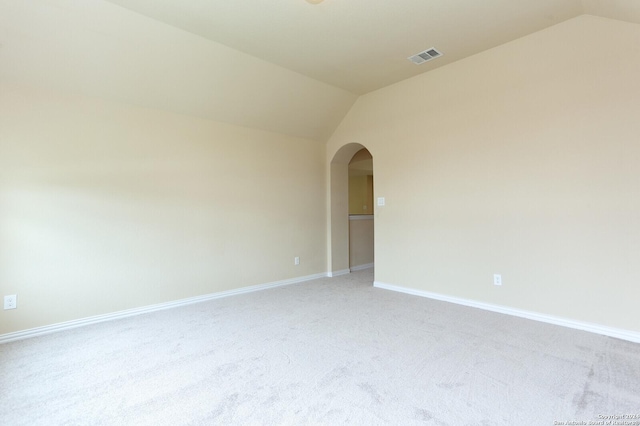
361,241
339,253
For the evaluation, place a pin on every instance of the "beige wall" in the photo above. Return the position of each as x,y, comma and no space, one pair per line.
360,194
338,218
360,241
522,160
105,206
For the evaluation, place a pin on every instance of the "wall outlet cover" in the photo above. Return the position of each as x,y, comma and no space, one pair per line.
11,301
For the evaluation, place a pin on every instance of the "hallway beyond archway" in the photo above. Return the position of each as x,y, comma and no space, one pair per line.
339,214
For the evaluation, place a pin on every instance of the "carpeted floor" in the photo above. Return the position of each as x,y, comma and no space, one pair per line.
331,351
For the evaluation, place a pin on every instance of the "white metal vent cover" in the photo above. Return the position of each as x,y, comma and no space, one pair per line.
425,56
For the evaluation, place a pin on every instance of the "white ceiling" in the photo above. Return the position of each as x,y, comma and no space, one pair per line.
362,45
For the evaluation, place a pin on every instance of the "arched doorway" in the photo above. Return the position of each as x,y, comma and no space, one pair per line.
338,217
361,254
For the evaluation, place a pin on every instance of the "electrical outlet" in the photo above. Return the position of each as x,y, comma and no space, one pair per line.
10,302
296,260
497,279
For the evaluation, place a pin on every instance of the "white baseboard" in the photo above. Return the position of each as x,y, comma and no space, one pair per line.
338,273
361,267
38,331
632,336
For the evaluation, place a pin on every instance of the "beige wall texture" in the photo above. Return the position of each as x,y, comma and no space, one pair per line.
105,206
522,160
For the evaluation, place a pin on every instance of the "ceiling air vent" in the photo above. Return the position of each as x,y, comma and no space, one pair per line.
425,56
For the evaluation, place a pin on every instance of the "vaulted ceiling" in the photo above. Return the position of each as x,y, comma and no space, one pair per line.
285,66
363,45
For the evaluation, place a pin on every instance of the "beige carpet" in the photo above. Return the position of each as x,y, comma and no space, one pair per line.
332,351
